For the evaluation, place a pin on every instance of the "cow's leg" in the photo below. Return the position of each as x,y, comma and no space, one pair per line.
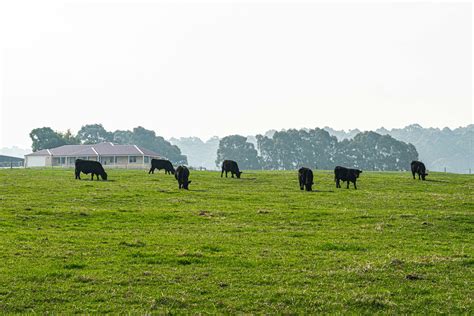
226,173
413,175
338,183
151,170
222,172
355,186
92,178
232,174
348,182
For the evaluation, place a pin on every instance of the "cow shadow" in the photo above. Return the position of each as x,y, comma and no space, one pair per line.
167,191
432,180
323,191
95,180
198,190
248,179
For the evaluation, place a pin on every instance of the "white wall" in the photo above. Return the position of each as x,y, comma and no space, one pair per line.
35,161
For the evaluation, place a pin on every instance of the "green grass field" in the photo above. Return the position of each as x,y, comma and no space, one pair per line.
254,245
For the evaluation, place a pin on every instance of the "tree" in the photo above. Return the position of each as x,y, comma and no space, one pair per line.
145,138
372,151
316,148
94,134
149,140
236,147
122,137
45,138
69,138
293,149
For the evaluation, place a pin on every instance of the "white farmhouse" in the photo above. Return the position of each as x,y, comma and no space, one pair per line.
109,154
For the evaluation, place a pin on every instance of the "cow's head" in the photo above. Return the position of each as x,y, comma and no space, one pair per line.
238,174
104,176
423,176
185,185
173,171
358,172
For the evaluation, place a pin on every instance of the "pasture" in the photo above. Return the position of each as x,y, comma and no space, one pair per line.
258,244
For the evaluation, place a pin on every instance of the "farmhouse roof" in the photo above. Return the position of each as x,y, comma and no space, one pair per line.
101,149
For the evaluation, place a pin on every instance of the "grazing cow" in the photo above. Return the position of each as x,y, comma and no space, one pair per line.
182,175
232,167
418,167
90,166
305,175
346,174
161,164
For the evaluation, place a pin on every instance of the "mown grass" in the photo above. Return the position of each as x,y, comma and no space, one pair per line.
255,245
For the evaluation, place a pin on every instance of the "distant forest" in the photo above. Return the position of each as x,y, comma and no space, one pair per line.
316,148
438,148
289,149
452,149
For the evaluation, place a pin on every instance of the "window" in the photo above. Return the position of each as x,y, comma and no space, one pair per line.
132,159
147,159
107,160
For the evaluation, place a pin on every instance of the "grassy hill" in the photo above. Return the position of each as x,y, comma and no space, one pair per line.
255,245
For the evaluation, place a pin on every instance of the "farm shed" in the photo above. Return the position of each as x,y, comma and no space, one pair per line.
109,154
8,161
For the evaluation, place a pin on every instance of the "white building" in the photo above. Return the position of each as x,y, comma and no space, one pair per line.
110,155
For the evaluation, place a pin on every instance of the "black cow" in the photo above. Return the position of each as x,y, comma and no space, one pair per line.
161,164
346,174
90,166
305,175
232,167
418,167
182,175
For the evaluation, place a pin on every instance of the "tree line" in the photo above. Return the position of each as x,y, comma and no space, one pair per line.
316,148
278,150
45,138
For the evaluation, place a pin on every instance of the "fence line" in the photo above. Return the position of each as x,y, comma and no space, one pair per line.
11,164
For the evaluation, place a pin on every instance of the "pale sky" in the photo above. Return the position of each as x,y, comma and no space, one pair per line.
213,68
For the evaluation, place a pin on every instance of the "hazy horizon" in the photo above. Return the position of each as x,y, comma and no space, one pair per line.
216,69
205,139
